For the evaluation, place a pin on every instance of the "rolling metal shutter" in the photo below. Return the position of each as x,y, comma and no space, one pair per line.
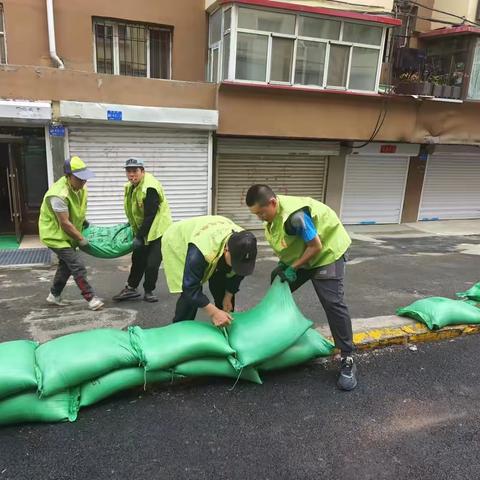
374,189
289,167
451,187
178,159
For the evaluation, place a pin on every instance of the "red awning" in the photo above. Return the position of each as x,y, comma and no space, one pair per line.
449,31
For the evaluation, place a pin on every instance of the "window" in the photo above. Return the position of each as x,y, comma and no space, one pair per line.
3,46
131,49
266,46
474,86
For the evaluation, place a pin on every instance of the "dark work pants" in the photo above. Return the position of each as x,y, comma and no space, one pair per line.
186,311
146,261
328,284
69,263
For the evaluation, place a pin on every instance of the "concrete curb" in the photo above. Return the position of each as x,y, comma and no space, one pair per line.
393,330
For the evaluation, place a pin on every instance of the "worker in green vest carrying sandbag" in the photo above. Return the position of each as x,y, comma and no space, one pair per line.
62,218
311,243
148,213
209,248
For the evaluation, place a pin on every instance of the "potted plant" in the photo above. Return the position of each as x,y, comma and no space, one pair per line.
411,84
437,81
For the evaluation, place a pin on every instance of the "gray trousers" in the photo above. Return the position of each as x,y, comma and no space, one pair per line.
328,284
69,263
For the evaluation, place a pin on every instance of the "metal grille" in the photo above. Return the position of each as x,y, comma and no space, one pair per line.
132,49
27,256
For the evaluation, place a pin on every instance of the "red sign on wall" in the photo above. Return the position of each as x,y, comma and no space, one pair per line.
388,148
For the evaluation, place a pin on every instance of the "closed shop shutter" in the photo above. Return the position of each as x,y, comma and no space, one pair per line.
451,187
374,189
289,167
178,159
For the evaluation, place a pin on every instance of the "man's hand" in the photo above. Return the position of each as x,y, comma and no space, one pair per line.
137,243
228,302
221,318
288,275
278,271
86,224
83,243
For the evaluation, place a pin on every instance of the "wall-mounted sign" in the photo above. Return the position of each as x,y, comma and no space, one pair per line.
388,148
56,130
115,115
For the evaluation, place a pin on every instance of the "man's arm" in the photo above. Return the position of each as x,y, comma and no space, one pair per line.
195,266
68,227
150,208
302,225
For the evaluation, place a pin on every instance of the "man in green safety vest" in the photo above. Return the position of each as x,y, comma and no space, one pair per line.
311,244
210,248
62,218
148,213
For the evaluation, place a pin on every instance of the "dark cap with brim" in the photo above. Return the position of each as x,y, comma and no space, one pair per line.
85,174
243,251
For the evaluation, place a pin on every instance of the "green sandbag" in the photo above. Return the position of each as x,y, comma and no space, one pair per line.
28,407
17,367
216,367
108,242
472,293
114,382
163,347
438,312
268,329
310,345
73,359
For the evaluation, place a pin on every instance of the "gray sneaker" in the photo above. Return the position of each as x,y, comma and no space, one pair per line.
58,301
347,380
150,297
126,294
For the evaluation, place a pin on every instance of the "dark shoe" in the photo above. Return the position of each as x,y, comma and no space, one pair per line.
150,297
126,294
347,379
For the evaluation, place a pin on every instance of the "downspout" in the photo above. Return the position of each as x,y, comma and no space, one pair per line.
51,36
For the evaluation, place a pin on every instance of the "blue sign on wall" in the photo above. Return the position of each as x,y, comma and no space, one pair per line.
114,115
56,130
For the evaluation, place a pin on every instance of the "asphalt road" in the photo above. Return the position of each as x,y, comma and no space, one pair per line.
415,415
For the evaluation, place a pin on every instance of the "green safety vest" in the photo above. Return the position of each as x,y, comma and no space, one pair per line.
134,210
51,232
209,234
334,237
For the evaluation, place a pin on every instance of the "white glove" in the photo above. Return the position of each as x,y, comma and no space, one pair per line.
83,242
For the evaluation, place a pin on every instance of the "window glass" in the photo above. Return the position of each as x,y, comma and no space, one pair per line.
226,55
474,87
215,28
310,63
159,53
266,21
251,61
363,72
104,48
358,33
132,50
338,65
227,20
318,28
282,57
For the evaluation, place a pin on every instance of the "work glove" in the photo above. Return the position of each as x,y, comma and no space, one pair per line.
277,270
86,224
83,243
288,275
137,243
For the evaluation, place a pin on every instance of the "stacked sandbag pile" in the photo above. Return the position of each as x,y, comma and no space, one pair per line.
52,381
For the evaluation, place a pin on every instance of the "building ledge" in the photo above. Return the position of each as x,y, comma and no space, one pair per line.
451,31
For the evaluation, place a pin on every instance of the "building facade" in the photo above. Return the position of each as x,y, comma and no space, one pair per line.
370,107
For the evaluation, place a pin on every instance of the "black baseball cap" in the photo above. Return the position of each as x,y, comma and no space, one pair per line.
243,250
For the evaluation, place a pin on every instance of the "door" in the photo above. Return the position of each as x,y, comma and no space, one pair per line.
374,189
10,191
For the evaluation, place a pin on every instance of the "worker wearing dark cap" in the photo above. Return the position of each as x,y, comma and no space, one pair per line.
62,218
148,213
209,249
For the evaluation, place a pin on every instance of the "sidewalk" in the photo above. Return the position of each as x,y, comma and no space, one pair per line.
390,266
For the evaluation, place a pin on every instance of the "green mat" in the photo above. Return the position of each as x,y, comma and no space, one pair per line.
8,242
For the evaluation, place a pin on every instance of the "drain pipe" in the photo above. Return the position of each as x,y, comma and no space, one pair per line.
51,36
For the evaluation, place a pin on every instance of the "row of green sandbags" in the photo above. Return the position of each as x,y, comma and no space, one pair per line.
439,312
67,364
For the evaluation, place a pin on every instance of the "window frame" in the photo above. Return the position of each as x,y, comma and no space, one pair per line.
296,37
116,50
3,34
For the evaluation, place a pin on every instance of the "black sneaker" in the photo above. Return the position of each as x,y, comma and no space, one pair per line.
347,379
150,297
126,294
